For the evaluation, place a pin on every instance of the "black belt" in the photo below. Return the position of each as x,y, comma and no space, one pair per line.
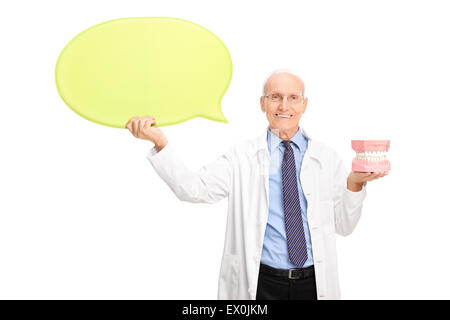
289,273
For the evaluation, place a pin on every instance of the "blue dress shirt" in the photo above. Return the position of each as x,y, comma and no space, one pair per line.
275,252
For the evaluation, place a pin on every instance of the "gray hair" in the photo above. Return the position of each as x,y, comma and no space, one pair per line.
277,71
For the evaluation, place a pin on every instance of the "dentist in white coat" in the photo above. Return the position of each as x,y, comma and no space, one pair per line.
249,174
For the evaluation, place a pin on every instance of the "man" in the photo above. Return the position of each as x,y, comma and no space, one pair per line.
288,195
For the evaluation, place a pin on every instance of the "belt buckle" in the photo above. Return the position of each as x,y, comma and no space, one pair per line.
290,276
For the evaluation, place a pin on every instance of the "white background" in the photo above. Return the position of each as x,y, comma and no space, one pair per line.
83,215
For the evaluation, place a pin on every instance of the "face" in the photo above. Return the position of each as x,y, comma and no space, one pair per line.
284,116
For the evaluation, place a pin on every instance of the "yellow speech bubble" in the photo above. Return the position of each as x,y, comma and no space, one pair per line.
168,68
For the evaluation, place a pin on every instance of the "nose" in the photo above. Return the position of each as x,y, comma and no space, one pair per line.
283,104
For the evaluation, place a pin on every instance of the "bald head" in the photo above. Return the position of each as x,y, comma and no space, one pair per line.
283,80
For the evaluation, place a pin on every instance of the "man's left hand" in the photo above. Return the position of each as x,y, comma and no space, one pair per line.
356,180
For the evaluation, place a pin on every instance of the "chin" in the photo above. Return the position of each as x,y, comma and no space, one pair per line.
282,126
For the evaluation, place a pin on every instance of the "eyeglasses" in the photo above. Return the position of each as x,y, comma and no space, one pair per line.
291,98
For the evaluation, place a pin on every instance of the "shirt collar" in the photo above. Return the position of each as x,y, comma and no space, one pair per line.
273,141
314,147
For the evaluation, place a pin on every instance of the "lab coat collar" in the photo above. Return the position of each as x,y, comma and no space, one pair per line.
298,139
313,148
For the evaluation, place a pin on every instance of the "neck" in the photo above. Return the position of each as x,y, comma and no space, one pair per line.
284,134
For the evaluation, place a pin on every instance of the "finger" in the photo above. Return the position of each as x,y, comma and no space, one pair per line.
366,176
133,127
144,123
140,125
129,123
147,124
146,117
151,121
383,174
377,175
361,174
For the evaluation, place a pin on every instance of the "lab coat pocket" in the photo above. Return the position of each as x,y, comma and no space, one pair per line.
229,276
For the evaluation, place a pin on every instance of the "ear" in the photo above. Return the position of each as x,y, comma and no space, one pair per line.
305,102
261,101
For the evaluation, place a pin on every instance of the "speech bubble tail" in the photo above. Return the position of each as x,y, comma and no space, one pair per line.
215,115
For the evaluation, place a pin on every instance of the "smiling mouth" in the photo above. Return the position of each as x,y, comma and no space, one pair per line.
285,116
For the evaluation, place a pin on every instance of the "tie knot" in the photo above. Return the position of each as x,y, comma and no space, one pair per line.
287,145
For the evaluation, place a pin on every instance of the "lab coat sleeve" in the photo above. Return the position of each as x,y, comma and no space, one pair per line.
208,185
347,204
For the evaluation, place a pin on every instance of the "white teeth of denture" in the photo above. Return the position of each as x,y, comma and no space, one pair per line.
372,155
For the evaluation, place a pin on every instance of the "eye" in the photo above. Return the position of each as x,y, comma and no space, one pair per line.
275,96
293,97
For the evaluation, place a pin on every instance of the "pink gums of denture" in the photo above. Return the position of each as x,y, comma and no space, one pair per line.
372,164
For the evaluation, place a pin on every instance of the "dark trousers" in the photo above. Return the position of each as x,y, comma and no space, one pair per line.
277,284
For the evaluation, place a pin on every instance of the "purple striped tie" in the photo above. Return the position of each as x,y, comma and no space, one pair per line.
292,212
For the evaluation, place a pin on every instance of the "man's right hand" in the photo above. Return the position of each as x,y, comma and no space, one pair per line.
142,128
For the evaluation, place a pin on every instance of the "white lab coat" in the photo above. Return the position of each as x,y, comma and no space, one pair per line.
242,175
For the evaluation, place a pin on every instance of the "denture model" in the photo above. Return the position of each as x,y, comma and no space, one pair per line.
371,155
